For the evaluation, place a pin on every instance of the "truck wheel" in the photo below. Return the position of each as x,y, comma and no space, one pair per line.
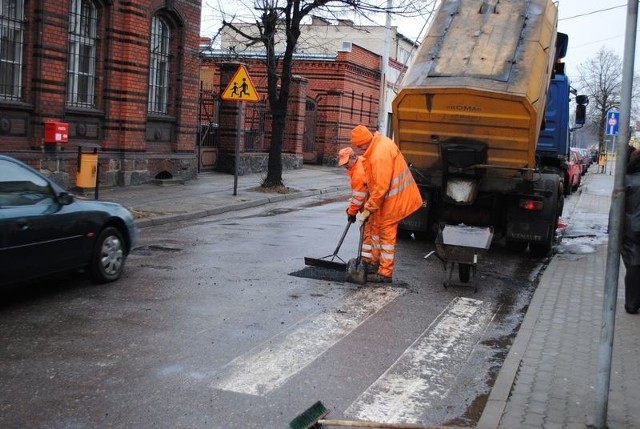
464,272
560,205
107,261
542,249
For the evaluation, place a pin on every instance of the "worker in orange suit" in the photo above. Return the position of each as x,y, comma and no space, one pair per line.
354,165
393,195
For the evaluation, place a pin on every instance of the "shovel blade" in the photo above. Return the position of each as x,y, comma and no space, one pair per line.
356,271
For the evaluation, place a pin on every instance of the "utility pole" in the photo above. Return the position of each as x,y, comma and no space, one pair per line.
382,107
616,214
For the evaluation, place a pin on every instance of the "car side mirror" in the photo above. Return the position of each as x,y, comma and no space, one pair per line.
65,198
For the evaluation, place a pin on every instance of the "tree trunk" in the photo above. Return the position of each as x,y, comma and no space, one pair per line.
274,172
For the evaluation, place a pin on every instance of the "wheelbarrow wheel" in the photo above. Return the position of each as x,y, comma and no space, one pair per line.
464,272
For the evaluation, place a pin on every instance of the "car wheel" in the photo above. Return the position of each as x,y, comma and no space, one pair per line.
107,261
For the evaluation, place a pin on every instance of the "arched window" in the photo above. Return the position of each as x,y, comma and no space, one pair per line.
81,72
11,46
160,49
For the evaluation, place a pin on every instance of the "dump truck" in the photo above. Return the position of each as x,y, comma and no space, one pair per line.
552,150
468,116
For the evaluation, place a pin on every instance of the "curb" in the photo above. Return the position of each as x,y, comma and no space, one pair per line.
162,220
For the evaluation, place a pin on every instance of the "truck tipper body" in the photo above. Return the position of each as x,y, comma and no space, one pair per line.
468,117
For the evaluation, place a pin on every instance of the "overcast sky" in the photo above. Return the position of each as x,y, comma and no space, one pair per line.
590,25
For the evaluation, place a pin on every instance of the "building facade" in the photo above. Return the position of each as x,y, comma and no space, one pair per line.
338,80
331,93
326,37
123,76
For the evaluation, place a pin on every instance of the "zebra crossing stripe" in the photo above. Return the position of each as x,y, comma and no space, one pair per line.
424,373
271,364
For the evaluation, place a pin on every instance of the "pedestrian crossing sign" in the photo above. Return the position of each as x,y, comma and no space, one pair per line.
240,87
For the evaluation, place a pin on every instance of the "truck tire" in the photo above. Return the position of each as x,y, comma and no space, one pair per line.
464,272
543,248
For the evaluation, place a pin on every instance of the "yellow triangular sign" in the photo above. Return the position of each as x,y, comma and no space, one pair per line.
240,87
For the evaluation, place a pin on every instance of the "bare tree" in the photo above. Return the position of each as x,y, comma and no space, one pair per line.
600,77
278,21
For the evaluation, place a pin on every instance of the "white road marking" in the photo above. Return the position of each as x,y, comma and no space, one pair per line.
426,370
271,364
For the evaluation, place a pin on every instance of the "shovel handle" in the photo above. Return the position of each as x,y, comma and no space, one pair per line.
359,256
344,234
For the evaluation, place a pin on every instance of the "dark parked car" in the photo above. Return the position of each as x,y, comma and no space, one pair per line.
45,229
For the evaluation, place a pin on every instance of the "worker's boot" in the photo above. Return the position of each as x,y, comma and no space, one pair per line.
378,278
371,269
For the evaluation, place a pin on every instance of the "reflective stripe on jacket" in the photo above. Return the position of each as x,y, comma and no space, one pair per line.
393,192
358,187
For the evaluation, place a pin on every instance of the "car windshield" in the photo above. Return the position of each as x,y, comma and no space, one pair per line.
21,187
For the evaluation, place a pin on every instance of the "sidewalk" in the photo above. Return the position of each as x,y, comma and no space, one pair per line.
212,193
548,378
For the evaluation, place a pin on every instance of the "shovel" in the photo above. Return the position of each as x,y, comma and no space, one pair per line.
356,271
330,263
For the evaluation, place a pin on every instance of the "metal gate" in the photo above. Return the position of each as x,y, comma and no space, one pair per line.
310,152
209,108
255,117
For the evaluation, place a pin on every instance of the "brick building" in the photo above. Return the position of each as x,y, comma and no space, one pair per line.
331,93
124,76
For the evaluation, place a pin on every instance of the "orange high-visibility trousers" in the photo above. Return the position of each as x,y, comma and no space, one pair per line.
388,234
379,245
371,242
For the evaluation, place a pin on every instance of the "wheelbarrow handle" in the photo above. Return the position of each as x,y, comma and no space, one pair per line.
344,234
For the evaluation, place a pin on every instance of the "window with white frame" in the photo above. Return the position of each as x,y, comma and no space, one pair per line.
159,66
81,72
404,56
11,47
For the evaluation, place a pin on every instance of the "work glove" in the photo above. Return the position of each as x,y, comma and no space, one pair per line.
364,216
351,218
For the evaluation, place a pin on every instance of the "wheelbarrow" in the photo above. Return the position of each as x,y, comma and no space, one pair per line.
462,244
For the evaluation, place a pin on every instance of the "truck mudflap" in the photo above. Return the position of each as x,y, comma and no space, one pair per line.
529,231
533,218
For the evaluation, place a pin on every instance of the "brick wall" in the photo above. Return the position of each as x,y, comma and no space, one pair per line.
346,89
133,146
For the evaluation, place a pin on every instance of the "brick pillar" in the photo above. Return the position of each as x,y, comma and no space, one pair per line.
229,111
294,129
337,134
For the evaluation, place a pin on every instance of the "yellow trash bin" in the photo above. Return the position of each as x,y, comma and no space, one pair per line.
87,170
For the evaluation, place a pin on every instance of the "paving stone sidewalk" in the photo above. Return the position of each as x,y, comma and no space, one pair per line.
548,379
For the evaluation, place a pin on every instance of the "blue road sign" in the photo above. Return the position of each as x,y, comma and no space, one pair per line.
613,122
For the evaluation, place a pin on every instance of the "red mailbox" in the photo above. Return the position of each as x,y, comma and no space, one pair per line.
56,132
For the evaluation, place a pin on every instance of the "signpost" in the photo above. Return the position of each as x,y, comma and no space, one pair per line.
613,121
240,88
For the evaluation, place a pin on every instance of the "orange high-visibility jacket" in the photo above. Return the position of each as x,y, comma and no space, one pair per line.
393,193
358,187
